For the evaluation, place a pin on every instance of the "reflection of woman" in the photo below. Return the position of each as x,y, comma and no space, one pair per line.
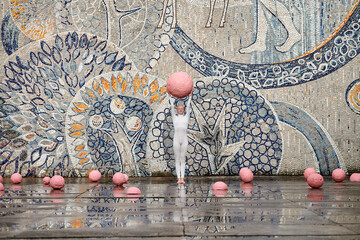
180,141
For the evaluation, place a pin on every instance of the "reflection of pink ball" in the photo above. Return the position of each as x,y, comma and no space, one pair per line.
338,175
246,187
308,172
118,179
134,193
2,188
118,191
355,177
126,177
315,194
95,176
219,185
1,179
46,180
57,195
57,182
315,180
246,175
16,178
179,84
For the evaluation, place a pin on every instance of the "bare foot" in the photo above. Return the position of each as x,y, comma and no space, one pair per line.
179,181
256,46
182,181
290,41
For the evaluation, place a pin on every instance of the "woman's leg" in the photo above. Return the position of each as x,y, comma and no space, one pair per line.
177,151
183,151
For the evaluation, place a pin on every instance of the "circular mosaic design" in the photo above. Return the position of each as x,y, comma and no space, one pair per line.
353,96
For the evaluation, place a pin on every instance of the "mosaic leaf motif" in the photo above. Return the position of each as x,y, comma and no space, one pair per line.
116,124
231,126
37,87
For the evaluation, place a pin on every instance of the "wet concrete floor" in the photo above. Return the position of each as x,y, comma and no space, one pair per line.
271,207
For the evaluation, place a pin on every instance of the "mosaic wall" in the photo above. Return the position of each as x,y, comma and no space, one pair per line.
83,86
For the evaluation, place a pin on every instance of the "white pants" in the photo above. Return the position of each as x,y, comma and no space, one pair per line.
180,145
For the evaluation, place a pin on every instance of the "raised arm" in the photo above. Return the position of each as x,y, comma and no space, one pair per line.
188,106
172,109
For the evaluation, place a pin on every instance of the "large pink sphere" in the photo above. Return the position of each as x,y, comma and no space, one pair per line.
118,179
355,177
95,176
16,178
308,172
57,182
246,175
2,188
315,180
134,193
338,175
179,84
46,180
1,179
219,185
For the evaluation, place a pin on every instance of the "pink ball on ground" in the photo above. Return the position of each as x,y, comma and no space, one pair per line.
315,180
338,175
308,172
2,188
246,175
126,177
95,176
179,84
16,178
134,193
118,179
57,182
1,179
355,177
46,180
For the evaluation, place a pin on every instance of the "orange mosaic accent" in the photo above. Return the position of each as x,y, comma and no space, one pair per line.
124,86
82,154
119,78
154,86
84,160
95,85
101,91
145,92
136,83
106,85
154,98
80,147
76,223
91,93
113,83
76,134
78,110
77,126
81,106
144,81
163,90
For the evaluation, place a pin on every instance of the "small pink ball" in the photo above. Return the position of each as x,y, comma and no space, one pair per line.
219,185
118,179
126,177
308,172
355,177
179,84
95,176
315,180
16,178
2,188
57,182
46,180
338,175
134,193
1,179
246,175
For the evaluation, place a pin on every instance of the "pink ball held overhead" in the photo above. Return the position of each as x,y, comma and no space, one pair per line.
95,176
308,172
246,174
46,180
179,84
16,178
57,182
2,188
338,175
355,177
118,179
315,180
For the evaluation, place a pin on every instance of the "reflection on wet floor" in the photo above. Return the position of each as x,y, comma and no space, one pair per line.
269,207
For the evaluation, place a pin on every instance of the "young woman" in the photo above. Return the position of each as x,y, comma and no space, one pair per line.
180,142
